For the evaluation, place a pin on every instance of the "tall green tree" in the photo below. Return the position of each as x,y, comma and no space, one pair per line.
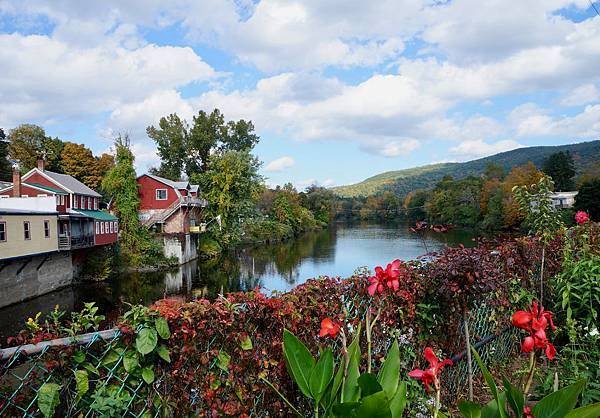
588,198
232,186
5,168
170,138
561,167
29,142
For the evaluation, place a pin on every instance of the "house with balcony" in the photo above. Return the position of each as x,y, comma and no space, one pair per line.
170,207
80,222
563,200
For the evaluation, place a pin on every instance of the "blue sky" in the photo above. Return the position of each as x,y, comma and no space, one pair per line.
338,90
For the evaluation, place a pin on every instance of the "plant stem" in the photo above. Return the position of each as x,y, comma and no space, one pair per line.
468,348
346,364
436,408
542,274
316,409
282,397
532,361
370,325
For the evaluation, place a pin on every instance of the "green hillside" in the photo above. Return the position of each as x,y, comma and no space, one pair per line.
402,182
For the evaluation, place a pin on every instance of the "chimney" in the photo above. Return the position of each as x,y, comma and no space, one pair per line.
41,164
16,181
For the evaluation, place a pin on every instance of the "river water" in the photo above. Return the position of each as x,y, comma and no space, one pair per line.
336,251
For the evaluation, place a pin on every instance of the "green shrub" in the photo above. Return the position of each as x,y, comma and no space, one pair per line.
208,247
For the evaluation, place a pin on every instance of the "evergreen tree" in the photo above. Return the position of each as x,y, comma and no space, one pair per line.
561,167
5,168
588,198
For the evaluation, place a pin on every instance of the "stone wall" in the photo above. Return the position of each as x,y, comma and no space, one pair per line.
40,274
182,246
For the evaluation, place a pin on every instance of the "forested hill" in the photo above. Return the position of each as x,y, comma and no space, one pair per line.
402,182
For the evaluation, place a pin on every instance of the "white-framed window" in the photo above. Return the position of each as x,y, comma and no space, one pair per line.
161,194
57,199
95,203
89,200
112,228
102,227
106,226
74,201
4,196
116,226
26,230
46,229
97,227
2,231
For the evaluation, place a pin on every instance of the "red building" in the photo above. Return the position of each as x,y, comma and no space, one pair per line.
80,222
169,206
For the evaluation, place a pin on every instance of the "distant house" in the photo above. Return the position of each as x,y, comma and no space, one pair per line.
171,207
80,222
563,200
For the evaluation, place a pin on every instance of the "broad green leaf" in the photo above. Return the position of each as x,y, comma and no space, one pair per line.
470,409
346,409
81,382
491,409
557,404
376,405
350,389
162,327
130,361
223,360
321,375
110,357
79,356
331,395
48,398
163,353
514,397
398,402
588,411
146,340
389,374
90,368
299,360
246,343
491,383
368,384
148,375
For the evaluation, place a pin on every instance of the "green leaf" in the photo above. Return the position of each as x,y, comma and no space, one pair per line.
146,340
81,382
346,409
331,396
376,405
321,375
246,343
368,384
299,360
350,389
515,397
110,357
90,368
398,402
491,383
389,375
130,361
491,409
162,327
163,353
470,409
48,398
588,411
558,403
223,360
148,375
79,357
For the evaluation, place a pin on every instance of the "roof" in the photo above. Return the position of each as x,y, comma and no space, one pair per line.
98,215
5,184
25,212
174,184
194,188
71,183
557,195
50,189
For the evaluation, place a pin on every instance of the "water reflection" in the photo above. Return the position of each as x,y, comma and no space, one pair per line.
336,251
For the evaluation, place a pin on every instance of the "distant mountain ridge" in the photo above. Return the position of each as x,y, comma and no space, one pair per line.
401,182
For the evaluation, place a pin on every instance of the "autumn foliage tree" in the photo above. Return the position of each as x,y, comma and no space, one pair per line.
78,161
523,175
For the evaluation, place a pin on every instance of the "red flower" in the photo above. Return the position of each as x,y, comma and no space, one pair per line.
527,412
535,321
431,375
582,217
385,278
330,328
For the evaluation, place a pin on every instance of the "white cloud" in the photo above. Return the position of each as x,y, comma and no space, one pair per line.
280,164
479,148
582,95
392,148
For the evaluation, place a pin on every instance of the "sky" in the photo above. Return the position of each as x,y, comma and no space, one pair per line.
337,90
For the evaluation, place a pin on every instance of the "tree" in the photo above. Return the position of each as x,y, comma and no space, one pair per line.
561,167
494,171
319,201
524,175
79,162
52,153
588,198
26,145
232,186
170,138
5,168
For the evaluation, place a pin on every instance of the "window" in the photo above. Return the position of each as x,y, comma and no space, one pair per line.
89,199
26,230
57,200
46,229
106,226
97,227
95,203
74,201
161,194
102,227
112,229
42,195
116,226
2,231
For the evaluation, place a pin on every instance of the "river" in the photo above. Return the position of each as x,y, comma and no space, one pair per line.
336,251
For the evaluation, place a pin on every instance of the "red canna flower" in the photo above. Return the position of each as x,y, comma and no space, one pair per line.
330,328
536,322
527,412
582,217
431,375
385,278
